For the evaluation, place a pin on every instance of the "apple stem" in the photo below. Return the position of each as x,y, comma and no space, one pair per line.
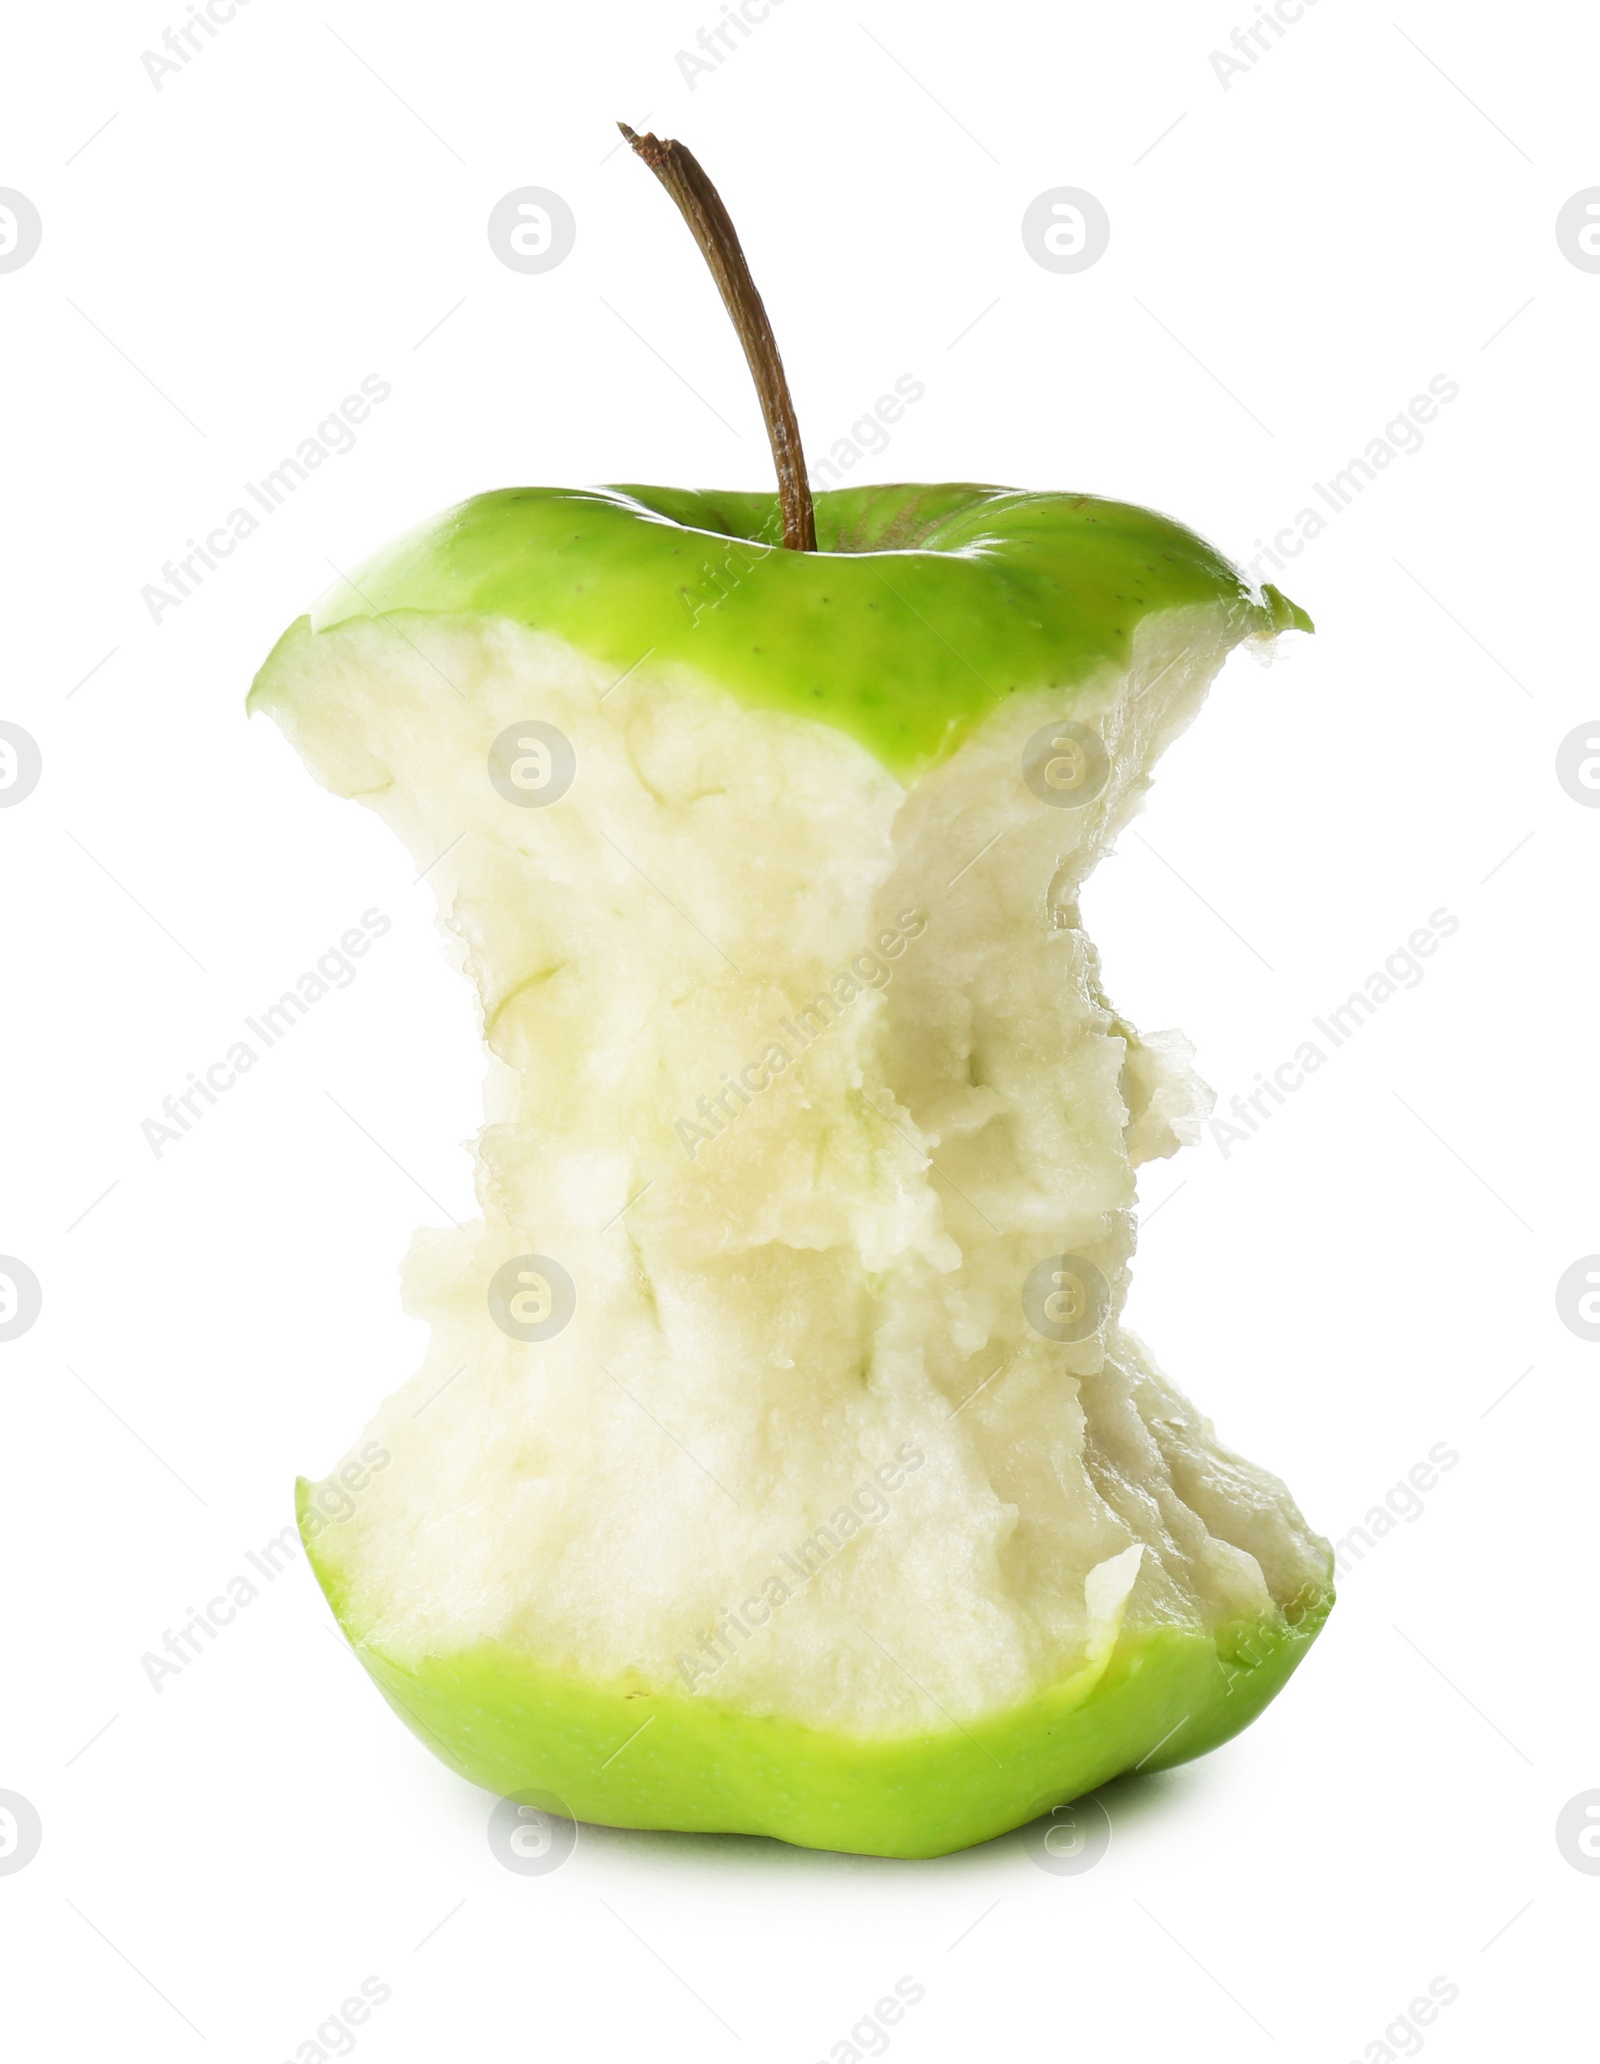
712,228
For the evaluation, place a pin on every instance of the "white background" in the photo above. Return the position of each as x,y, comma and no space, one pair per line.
1372,204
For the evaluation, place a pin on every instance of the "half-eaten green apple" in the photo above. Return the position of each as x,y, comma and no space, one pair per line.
780,1462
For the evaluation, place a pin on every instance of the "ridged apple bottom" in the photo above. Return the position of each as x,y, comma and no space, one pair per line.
638,1759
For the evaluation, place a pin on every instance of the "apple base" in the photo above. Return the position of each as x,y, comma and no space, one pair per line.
584,1751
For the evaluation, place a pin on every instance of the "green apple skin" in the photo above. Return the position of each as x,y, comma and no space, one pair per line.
922,608
585,1751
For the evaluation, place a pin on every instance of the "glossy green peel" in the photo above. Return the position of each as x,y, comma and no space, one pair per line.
922,610
633,1757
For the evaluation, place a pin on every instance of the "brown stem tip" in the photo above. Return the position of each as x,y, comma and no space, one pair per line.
712,227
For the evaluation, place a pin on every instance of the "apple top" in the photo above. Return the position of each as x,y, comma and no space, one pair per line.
922,608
